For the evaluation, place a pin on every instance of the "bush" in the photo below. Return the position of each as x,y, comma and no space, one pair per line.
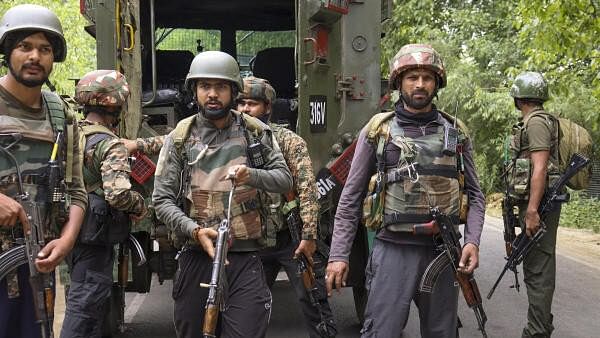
581,213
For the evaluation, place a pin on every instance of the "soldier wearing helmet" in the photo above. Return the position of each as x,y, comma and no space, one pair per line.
406,161
112,203
31,122
197,155
535,164
256,100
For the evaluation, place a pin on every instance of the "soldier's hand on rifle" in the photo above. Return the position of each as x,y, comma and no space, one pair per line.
52,254
241,174
205,237
335,276
532,222
11,211
308,248
469,260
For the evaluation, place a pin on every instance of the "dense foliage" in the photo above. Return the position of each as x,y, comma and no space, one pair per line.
81,47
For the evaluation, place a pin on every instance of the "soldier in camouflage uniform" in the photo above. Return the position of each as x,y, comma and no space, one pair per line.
256,100
31,40
102,93
191,193
534,152
404,245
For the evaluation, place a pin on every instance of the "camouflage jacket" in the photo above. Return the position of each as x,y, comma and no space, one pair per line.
274,177
32,153
295,153
150,145
107,162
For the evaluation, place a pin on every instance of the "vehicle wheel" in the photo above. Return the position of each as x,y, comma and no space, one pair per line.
360,301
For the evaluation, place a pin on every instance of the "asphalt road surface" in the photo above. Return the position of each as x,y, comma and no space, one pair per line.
576,304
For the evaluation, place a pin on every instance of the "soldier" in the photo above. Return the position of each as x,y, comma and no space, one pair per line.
31,121
534,146
256,100
413,171
193,163
102,94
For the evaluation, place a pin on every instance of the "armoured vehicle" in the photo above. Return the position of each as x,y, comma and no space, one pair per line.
322,57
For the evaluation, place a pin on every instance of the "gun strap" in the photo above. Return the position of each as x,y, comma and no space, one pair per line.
62,120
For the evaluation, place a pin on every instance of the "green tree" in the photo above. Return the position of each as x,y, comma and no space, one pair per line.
81,48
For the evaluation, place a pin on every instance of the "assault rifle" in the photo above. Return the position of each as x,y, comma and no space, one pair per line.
42,284
214,302
509,217
305,267
451,252
123,271
522,244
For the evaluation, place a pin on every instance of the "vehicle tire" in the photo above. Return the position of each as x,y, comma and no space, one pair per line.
360,301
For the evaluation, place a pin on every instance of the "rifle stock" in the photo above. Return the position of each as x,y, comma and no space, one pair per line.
522,244
451,252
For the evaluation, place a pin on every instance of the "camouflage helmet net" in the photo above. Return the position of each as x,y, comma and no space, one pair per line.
257,89
530,85
106,88
416,56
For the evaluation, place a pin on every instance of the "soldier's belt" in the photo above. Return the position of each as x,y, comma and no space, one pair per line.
409,223
239,245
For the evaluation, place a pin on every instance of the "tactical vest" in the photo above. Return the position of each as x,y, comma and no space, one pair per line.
102,224
31,143
408,201
519,170
400,197
208,193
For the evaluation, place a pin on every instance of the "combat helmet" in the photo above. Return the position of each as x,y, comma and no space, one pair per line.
214,65
257,89
106,88
416,56
34,18
530,85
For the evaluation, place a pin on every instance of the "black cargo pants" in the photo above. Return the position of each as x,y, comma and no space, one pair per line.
282,256
247,297
91,269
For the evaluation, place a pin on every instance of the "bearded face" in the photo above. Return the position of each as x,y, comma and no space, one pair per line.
418,88
31,60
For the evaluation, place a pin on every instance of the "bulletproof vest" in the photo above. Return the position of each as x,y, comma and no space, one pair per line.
209,191
519,170
408,200
31,143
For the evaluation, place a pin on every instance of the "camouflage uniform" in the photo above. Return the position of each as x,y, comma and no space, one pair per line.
399,257
38,128
536,133
295,153
106,174
190,193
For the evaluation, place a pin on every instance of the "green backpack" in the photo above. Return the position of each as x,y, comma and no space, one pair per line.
572,139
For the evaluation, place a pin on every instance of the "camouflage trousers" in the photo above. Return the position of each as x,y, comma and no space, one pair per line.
539,274
274,259
17,317
393,274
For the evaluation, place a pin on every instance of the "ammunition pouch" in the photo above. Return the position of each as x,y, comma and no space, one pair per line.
373,203
103,224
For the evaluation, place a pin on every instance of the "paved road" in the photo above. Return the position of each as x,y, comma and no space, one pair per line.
576,304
